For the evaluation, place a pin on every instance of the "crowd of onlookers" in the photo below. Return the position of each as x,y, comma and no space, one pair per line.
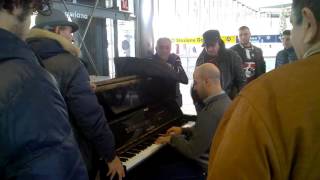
250,124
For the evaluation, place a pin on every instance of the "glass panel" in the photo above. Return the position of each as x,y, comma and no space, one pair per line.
110,37
32,23
89,2
96,58
109,3
126,42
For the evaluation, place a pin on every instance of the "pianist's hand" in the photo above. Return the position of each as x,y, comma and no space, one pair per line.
165,139
115,167
174,130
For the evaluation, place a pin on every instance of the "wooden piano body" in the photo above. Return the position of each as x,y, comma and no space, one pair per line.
139,105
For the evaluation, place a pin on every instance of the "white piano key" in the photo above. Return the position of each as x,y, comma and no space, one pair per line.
144,154
141,156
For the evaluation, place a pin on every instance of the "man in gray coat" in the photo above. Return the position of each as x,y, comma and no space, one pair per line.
195,142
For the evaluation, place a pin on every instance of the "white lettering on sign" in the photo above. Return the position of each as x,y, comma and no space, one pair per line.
76,14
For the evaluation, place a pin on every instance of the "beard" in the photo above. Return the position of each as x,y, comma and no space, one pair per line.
212,55
246,44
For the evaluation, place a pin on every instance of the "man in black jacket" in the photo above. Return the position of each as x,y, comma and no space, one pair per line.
163,54
51,40
252,56
36,139
228,62
287,55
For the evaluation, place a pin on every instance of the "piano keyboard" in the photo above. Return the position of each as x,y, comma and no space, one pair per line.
142,151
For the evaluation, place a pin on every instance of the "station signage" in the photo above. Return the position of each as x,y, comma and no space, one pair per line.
199,40
75,14
230,39
124,5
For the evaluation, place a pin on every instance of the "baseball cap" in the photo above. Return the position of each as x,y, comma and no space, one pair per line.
56,18
210,37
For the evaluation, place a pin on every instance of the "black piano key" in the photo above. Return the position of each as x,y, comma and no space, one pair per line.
127,155
133,151
141,147
147,143
123,159
154,138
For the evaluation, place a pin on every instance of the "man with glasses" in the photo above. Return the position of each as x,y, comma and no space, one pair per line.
51,39
36,139
228,62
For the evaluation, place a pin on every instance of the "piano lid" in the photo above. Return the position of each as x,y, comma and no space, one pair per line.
126,66
141,103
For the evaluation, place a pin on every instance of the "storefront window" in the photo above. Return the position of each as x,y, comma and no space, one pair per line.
126,39
111,48
109,3
91,2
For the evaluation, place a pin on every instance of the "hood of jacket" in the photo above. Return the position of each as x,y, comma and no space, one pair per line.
47,44
12,47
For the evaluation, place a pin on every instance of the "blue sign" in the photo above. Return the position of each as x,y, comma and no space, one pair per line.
264,39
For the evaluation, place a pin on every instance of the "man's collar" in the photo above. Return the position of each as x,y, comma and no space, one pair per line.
66,44
315,49
12,47
289,49
212,97
159,58
250,47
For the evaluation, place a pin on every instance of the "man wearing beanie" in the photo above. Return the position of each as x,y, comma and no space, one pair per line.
51,39
228,62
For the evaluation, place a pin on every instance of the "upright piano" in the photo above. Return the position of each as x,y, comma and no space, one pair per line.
139,105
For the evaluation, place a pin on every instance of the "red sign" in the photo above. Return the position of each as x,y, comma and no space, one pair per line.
124,5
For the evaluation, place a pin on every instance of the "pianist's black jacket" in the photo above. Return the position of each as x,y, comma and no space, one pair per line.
36,139
60,57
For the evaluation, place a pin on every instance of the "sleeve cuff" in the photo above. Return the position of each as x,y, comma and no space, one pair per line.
110,158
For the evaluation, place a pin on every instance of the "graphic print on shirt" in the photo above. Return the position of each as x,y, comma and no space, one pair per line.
250,70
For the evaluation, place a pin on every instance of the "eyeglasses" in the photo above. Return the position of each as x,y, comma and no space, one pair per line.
42,7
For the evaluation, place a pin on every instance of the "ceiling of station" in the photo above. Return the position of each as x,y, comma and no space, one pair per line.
257,4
